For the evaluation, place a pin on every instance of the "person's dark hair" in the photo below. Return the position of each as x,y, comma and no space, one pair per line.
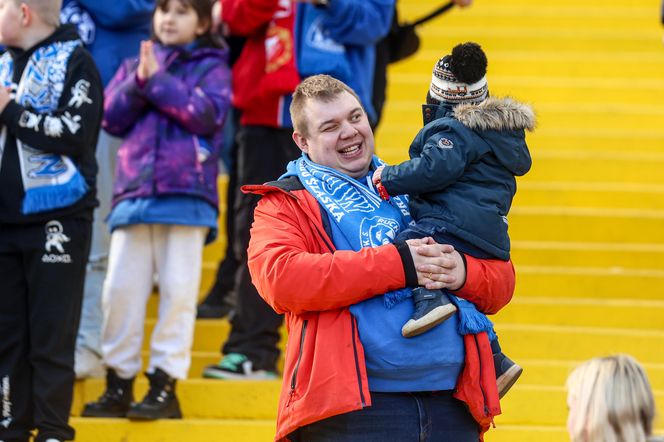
203,9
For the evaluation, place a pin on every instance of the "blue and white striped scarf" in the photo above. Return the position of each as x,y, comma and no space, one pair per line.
50,181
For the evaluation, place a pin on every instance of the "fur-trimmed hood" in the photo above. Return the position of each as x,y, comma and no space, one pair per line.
501,122
496,114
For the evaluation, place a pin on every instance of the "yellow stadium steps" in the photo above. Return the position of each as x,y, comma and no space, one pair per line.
589,282
591,312
615,195
611,255
552,372
203,398
534,341
186,430
588,139
586,224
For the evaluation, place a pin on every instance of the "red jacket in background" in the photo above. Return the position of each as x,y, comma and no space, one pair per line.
262,78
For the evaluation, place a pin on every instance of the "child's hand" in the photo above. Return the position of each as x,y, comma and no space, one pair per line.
147,64
5,98
377,174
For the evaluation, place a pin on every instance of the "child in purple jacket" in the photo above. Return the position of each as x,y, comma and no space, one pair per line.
169,107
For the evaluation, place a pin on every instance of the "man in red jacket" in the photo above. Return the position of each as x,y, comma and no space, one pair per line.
320,252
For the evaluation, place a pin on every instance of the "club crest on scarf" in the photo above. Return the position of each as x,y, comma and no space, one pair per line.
378,231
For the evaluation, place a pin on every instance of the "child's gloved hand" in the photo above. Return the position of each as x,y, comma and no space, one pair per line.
377,174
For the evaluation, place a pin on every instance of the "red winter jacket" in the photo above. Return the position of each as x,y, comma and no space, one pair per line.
261,81
296,269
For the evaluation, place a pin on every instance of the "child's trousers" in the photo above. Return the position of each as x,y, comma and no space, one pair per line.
42,268
137,252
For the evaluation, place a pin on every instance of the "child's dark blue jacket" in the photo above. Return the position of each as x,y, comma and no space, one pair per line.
462,168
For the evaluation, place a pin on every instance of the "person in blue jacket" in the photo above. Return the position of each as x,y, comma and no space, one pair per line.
112,32
461,182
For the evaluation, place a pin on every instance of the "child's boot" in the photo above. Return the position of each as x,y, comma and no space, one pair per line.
115,401
507,373
431,308
160,401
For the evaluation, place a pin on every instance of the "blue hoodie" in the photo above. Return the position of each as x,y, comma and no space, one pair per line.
340,40
120,26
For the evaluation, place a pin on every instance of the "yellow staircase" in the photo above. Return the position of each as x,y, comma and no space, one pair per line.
587,224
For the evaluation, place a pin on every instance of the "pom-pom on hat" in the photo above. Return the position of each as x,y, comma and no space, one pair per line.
460,77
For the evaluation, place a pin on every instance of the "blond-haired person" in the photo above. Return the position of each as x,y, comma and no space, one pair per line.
50,113
610,400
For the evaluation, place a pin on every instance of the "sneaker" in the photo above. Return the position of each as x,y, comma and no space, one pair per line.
431,308
237,366
507,373
160,402
87,364
115,401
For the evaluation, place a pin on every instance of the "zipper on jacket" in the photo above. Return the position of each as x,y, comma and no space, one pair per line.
299,356
353,322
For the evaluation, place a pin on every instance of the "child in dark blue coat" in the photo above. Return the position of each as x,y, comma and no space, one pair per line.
461,182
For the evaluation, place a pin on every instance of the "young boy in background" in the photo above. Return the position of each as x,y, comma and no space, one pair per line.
50,112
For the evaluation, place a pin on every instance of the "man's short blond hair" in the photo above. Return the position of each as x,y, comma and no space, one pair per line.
47,10
317,87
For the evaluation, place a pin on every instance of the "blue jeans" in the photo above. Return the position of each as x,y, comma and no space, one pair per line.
398,417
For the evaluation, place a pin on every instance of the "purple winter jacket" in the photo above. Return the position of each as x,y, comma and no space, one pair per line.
171,125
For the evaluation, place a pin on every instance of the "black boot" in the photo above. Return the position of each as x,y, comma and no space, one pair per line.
431,308
160,402
116,399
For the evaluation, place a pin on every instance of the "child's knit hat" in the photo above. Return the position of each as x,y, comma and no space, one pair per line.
460,77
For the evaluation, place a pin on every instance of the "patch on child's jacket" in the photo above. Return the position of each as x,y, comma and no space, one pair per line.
445,143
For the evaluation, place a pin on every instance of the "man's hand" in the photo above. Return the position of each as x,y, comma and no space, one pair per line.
147,64
463,3
5,98
377,174
438,266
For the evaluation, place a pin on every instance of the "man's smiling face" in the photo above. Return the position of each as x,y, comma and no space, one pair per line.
338,135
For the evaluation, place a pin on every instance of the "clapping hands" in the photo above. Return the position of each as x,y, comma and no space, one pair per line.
147,64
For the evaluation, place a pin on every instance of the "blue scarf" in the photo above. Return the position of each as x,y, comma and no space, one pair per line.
361,216
362,219
50,181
